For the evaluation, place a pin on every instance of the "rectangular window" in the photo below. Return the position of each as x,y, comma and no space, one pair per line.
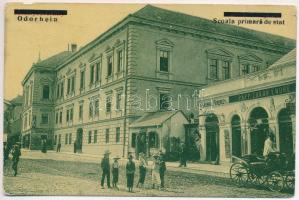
95,136
82,80
71,114
90,109
119,61
66,139
226,70
245,69
107,136
73,84
58,91
214,69
67,115
68,86
70,138
45,118
60,117
165,101
117,135
59,139
91,74
109,66
46,92
98,65
255,68
89,137
118,101
62,90
108,104
81,111
56,117
96,107
133,140
164,61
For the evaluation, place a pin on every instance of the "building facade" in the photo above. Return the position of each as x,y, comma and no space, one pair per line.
148,62
236,115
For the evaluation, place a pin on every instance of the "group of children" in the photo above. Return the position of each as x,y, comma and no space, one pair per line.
158,169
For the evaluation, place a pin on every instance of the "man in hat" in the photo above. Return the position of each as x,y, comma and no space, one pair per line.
162,167
142,169
115,172
105,165
155,171
16,153
130,172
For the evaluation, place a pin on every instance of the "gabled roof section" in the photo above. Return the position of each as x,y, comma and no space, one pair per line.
55,60
289,58
220,52
250,57
154,118
17,100
150,12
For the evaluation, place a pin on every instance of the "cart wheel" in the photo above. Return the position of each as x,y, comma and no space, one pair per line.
257,180
275,181
290,181
239,173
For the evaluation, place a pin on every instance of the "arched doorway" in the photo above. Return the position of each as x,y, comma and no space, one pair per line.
285,132
212,138
236,136
79,140
259,128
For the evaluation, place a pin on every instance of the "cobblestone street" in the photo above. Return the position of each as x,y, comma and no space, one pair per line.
57,177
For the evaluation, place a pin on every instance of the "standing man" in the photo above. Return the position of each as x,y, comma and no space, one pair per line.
105,165
162,168
16,153
183,156
58,147
130,172
75,146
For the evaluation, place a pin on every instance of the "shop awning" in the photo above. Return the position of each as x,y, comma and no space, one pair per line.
153,119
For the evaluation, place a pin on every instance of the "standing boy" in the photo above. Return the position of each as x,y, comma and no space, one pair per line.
130,171
16,153
115,172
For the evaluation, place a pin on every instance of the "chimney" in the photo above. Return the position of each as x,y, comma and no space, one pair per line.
74,47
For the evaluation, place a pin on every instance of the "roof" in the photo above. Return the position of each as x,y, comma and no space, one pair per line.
55,60
153,118
166,16
17,100
289,58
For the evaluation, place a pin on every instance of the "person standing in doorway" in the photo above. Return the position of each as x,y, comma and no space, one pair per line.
162,168
115,172
142,169
16,153
105,165
130,172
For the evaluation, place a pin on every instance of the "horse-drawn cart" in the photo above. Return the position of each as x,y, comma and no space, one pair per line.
276,172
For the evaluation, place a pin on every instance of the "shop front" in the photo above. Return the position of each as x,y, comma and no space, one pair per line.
235,116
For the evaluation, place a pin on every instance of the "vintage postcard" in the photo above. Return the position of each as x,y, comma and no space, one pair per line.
170,100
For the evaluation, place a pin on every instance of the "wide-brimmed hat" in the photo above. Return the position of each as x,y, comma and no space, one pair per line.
130,156
155,155
116,157
141,154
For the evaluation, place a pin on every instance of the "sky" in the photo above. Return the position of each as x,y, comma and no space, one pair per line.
25,41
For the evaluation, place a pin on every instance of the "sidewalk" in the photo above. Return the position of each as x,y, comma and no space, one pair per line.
196,168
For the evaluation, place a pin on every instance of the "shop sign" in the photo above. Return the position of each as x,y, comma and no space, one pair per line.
284,89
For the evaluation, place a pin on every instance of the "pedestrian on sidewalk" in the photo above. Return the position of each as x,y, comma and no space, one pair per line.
58,147
115,172
105,165
183,155
155,171
130,171
142,169
75,146
44,145
16,153
162,168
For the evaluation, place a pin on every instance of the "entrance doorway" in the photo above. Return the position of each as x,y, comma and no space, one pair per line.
212,138
259,128
141,144
236,136
285,132
79,139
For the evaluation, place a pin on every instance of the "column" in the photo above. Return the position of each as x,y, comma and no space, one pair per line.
202,141
273,126
293,120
